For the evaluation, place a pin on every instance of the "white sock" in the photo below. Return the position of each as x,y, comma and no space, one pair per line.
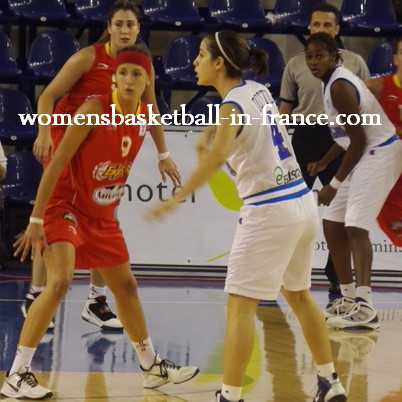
325,370
96,291
23,357
348,289
231,393
145,352
36,289
365,293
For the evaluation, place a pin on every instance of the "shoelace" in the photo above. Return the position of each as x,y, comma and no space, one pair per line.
29,378
164,366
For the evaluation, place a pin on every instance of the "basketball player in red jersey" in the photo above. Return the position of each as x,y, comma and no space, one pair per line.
77,227
85,74
388,90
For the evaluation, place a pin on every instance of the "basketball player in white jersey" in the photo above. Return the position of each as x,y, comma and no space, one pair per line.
273,245
369,169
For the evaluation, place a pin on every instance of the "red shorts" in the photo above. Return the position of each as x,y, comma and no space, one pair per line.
98,242
390,217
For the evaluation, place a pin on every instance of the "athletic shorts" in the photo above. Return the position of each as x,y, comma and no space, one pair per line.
273,247
98,242
361,196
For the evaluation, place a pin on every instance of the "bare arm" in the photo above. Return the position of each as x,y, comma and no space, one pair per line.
285,108
166,166
2,172
74,136
74,68
345,100
218,152
375,85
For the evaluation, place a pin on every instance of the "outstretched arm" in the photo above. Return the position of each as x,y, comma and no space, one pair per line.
72,140
216,155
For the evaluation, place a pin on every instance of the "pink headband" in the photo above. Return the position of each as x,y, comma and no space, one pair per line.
131,56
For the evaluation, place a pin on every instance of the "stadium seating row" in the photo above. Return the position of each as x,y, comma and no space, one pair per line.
50,49
359,17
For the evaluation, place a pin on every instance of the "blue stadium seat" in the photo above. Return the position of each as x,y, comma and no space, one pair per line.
276,64
241,14
19,189
40,10
369,17
49,51
8,64
12,131
162,106
379,61
177,13
94,10
200,105
179,57
292,15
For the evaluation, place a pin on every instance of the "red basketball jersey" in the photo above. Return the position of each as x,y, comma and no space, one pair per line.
391,100
93,182
96,81
390,216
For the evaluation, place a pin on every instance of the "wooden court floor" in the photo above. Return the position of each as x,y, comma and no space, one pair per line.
186,322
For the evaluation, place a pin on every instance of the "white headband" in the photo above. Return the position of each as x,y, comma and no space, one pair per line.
225,56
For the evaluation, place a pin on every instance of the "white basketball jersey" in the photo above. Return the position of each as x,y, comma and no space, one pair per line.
262,158
368,104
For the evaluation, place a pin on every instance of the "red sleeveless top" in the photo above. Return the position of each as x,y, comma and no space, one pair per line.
94,180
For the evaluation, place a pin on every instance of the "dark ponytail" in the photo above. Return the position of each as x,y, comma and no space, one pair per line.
236,53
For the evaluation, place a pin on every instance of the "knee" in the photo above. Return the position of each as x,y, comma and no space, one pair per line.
240,306
58,287
357,234
297,299
126,288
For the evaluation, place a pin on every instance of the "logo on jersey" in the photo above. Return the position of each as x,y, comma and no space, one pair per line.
111,171
70,217
283,178
108,194
103,66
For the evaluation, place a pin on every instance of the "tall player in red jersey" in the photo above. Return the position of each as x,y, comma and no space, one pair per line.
388,90
85,74
78,227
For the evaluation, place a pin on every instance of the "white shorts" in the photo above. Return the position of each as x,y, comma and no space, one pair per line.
273,247
360,197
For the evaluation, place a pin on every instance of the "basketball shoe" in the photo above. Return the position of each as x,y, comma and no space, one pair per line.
330,390
23,385
338,307
164,371
221,398
29,298
96,311
360,316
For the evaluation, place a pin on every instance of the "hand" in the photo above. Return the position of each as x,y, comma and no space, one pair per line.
313,168
42,147
326,195
30,239
168,167
156,213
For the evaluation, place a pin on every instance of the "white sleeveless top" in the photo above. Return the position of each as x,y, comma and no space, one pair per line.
262,158
368,104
